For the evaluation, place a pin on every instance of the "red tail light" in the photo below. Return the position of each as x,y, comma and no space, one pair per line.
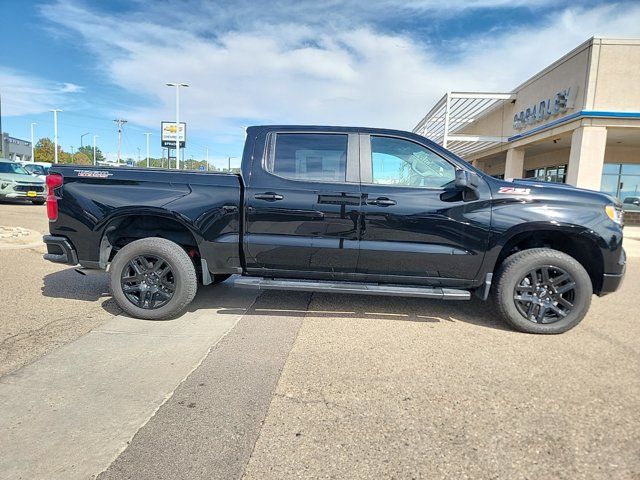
54,180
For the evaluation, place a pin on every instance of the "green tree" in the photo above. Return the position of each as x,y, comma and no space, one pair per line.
45,151
80,158
88,151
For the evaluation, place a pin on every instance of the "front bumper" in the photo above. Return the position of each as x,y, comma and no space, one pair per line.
39,196
612,281
60,250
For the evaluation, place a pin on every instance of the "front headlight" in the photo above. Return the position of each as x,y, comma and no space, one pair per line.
4,183
615,213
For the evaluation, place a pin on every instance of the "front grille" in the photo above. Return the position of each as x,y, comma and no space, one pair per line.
29,188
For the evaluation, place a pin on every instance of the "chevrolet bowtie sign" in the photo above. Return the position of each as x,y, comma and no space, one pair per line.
169,131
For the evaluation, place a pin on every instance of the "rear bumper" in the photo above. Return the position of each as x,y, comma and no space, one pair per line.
60,250
612,281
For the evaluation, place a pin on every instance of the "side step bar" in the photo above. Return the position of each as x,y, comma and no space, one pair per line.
353,287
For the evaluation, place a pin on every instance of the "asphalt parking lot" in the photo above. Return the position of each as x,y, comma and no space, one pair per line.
283,385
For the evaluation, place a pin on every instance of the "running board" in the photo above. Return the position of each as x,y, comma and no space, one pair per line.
354,287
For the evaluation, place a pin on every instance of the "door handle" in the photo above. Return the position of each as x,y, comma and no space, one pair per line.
268,196
381,202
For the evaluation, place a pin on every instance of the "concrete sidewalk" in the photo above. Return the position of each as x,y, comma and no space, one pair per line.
70,414
632,241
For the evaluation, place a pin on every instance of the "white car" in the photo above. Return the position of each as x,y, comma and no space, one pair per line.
37,169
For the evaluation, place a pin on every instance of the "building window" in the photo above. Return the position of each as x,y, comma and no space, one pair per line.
623,181
557,174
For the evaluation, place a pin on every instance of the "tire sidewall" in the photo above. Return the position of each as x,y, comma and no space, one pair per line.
517,268
170,253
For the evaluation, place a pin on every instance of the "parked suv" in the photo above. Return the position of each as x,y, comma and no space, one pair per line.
16,182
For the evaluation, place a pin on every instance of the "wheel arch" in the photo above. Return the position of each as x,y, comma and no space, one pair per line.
577,242
127,226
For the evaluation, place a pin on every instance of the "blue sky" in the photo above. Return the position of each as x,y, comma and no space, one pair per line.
350,62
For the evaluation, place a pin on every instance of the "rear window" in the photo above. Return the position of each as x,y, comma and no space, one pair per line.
316,157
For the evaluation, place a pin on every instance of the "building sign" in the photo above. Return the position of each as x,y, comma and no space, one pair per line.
169,132
544,109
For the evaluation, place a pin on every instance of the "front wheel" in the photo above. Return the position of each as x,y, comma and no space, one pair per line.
153,279
541,290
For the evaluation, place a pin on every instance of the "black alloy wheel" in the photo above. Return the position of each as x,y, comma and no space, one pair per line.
148,281
545,294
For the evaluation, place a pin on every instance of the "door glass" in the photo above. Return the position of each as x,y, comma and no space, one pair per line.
611,168
610,184
310,156
629,186
404,163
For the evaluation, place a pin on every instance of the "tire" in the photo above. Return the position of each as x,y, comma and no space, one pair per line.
517,282
181,277
38,202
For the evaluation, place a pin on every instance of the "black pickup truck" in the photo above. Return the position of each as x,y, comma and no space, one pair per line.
340,209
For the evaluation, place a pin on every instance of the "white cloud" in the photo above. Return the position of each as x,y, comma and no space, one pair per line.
304,73
24,94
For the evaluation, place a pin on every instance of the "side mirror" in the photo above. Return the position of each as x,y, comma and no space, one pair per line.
466,180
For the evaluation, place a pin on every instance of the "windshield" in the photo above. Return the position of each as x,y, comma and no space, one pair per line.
12,168
36,169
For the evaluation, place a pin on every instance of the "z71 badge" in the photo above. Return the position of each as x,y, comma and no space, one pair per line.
93,173
514,190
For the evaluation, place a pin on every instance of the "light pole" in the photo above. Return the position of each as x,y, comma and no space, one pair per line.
94,149
229,164
177,86
207,148
33,148
147,135
81,137
55,134
120,122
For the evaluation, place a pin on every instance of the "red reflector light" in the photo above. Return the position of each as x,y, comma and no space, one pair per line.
54,180
52,207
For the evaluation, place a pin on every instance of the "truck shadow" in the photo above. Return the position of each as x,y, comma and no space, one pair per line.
227,299
72,285
349,306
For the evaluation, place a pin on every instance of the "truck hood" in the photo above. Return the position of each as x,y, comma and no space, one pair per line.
560,191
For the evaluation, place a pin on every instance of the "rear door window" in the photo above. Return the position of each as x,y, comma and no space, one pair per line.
316,157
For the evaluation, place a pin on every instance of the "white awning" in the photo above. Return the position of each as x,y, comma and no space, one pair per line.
453,112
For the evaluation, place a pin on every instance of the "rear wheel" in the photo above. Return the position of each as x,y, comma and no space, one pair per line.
153,279
542,291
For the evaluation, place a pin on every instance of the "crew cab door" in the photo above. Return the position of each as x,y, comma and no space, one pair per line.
303,206
416,224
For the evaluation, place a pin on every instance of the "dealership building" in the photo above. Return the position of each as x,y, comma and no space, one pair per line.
577,121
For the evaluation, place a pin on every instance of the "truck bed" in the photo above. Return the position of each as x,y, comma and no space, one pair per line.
205,205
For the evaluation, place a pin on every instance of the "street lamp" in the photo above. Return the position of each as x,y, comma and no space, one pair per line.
177,86
147,135
81,137
55,134
33,149
94,149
